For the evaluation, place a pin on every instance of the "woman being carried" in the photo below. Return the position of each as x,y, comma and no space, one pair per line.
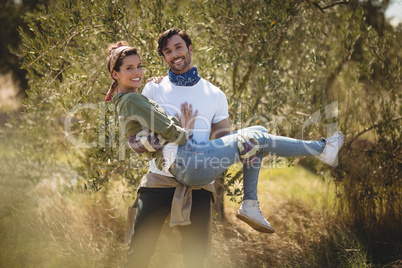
193,164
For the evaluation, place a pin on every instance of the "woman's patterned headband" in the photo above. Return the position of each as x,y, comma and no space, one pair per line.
112,63
115,56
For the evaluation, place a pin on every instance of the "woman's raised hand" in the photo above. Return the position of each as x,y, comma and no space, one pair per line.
187,118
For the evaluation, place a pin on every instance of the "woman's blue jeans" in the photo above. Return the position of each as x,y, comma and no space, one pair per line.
199,164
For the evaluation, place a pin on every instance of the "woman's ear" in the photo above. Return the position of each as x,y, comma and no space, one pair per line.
115,74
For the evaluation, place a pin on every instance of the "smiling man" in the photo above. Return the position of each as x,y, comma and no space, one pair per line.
160,194
177,54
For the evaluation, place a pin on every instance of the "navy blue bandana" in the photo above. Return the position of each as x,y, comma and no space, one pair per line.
189,78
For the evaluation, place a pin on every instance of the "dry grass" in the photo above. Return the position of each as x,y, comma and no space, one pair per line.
46,227
293,201
296,202
52,224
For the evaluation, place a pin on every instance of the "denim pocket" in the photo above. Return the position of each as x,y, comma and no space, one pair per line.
181,170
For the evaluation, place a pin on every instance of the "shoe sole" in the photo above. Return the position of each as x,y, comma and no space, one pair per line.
256,226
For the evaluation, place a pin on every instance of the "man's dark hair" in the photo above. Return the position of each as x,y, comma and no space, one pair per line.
165,36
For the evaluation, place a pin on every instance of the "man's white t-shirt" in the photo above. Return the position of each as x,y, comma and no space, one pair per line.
209,100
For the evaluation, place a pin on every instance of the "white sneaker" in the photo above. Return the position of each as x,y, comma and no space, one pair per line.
332,146
250,213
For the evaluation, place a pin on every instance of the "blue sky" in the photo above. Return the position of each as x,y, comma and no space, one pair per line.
394,10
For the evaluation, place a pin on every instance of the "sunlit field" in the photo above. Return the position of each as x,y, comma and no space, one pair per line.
53,222
302,69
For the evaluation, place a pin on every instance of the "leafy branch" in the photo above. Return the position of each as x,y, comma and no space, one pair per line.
371,128
64,41
317,5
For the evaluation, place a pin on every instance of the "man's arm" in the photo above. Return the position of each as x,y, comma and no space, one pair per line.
220,129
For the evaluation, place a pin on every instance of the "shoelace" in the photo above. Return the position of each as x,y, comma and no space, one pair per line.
334,142
258,206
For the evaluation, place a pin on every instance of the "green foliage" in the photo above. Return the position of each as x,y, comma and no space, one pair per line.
279,62
68,79
370,168
239,49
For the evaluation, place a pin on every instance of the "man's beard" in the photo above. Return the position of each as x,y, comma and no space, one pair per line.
187,61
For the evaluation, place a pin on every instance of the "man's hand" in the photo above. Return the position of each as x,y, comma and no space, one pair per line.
156,80
187,118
